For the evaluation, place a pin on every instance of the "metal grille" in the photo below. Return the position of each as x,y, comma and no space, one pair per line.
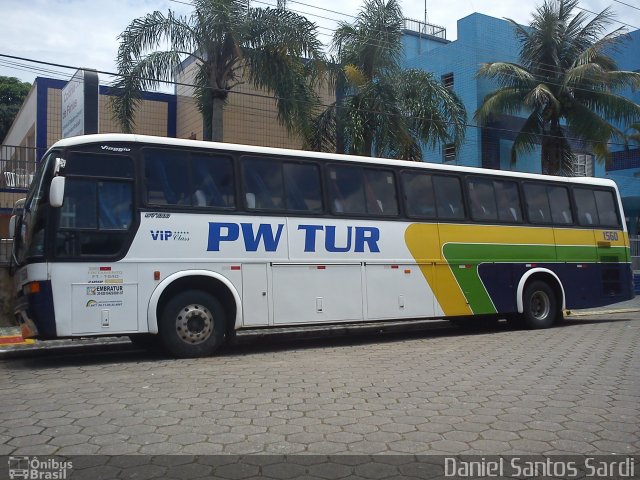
425,28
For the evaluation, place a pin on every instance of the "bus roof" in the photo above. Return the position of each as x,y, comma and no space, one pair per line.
176,142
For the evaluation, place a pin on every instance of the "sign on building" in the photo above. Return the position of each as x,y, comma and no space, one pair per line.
80,104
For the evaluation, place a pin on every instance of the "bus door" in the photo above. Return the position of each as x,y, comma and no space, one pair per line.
94,292
596,210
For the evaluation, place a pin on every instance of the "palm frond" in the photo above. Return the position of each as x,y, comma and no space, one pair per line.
435,114
528,136
541,96
506,73
322,136
612,106
139,71
507,100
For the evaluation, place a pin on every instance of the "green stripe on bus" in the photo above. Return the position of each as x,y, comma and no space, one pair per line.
464,259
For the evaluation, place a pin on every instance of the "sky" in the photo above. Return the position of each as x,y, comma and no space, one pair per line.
83,33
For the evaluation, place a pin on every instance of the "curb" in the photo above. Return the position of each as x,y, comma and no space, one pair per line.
587,313
15,346
34,348
15,340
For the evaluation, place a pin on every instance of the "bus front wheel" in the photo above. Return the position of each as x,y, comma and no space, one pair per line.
540,306
192,324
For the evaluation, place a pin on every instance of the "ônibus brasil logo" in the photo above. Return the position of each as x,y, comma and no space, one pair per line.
33,468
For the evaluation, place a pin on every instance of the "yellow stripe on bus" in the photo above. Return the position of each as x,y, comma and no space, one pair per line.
425,242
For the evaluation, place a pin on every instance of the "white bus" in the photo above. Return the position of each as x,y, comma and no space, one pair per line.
184,242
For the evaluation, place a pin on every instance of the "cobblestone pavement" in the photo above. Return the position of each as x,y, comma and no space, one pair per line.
571,389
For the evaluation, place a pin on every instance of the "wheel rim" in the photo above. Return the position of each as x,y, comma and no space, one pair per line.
194,324
540,305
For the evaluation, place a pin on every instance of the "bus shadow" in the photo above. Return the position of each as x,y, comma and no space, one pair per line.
274,342
575,321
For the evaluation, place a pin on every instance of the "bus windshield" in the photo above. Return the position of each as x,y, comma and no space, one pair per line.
30,228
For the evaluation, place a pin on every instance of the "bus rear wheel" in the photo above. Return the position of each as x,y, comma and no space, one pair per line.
192,324
540,306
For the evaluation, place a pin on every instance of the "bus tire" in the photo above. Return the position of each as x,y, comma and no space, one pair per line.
192,324
540,306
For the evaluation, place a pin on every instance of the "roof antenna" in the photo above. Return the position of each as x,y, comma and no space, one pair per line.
426,17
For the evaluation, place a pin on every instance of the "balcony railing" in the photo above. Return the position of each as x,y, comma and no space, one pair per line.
425,28
17,167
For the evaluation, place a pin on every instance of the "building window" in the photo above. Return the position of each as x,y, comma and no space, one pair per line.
449,152
583,165
447,80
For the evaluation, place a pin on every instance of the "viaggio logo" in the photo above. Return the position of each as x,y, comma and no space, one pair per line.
115,149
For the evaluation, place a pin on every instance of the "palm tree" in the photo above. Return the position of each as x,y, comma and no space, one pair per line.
634,136
273,49
565,82
382,109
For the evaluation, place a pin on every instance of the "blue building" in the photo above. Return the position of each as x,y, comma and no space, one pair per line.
483,39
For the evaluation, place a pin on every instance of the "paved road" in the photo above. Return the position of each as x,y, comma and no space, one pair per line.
571,389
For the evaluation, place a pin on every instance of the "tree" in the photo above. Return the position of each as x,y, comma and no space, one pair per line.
565,82
383,109
274,49
12,94
634,136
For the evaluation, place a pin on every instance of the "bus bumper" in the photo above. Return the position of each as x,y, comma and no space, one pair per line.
34,313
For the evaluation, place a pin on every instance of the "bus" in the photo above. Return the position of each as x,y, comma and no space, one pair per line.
182,243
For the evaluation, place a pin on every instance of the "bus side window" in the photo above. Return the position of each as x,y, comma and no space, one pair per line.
448,193
418,195
115,205
166,177
380,190
303,187
79,209
346,190
607,210
537,202
586,205
561,208
213,181
263,184
482,199
508,201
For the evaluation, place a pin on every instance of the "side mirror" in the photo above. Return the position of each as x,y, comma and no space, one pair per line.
12,225
56,192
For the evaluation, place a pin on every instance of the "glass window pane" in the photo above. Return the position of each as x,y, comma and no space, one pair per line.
346,190
115,205
418,194
302,184
560,206
448,198
213,181
508,200
263,185
167,177
91,164
79,208
586,205
482,199
605,201
380,190
537,203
